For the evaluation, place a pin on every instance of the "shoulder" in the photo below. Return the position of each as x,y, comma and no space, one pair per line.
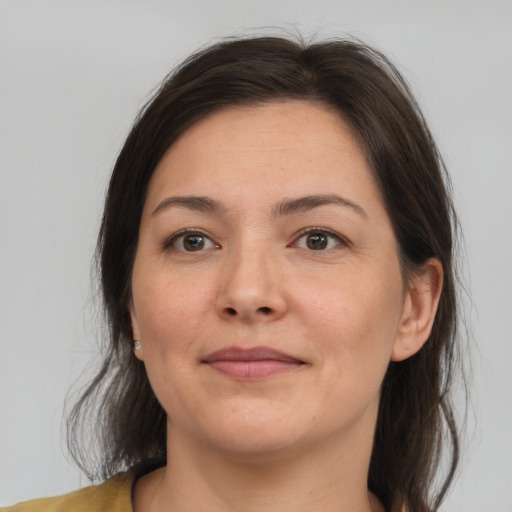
113,495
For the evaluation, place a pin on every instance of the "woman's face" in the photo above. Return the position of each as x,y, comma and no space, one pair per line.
267,291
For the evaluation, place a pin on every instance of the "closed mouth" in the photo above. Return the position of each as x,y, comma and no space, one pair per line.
251,364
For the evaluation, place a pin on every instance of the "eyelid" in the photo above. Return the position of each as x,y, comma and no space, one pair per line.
343,241
171,241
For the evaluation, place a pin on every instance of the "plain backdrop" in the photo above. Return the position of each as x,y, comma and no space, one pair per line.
72,76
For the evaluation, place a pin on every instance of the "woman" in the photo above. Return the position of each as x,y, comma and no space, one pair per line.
276,265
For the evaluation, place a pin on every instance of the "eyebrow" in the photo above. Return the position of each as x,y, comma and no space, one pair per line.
281,209
196,203
306,203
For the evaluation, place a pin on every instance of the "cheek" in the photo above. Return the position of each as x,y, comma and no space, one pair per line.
170,317
353,323
169,311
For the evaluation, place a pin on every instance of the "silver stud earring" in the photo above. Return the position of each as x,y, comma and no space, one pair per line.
136,345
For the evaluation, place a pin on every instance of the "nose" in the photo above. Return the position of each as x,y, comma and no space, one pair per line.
251,287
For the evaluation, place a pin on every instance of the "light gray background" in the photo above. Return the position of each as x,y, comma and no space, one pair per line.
72,76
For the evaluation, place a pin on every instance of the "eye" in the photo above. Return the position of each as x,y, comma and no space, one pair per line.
320,240
191,241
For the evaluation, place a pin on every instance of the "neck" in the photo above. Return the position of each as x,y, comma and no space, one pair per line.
330,478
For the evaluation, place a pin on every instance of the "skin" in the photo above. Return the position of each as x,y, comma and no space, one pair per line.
300,439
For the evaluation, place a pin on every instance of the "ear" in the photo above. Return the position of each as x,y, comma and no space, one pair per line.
419,311
139,354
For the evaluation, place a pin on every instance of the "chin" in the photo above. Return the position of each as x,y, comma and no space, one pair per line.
255,447
254,436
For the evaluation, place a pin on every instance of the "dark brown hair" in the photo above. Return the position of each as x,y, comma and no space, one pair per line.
416,418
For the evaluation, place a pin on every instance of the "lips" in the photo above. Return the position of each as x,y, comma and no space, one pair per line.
251,364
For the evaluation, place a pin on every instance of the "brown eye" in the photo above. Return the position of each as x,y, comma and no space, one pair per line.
316,241
320,240
191,242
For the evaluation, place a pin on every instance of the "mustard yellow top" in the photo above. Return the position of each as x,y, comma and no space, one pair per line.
113,495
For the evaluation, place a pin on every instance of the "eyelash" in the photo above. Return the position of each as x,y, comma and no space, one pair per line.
172,241
340,241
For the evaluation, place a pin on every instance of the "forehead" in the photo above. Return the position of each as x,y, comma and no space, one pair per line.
264,151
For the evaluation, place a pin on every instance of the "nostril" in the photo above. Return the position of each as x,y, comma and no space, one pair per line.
264,310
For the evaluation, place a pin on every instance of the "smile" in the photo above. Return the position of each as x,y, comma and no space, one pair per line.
251,364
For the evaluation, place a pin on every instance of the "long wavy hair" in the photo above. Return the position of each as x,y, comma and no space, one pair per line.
118,423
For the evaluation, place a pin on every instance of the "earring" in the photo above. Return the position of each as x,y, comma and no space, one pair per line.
136,345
